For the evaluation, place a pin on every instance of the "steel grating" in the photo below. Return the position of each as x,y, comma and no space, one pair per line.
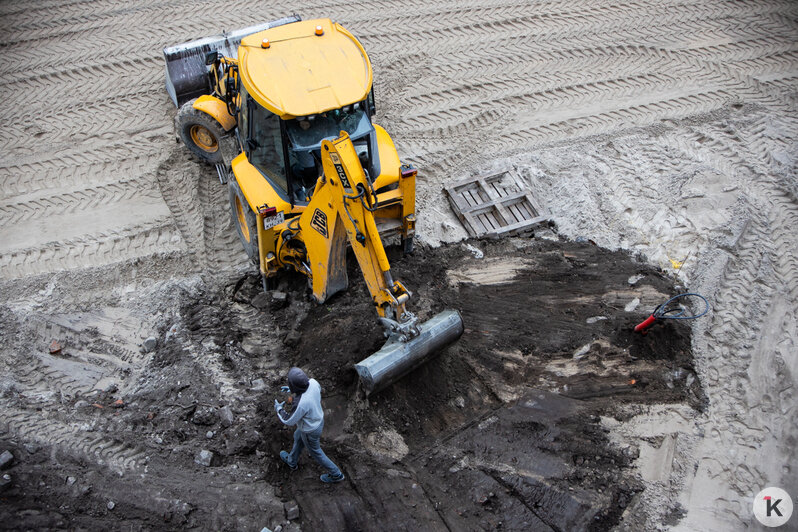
495,204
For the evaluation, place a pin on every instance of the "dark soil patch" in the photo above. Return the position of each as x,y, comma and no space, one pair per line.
499,431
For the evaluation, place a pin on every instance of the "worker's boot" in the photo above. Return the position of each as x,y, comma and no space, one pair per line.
329,479
284,457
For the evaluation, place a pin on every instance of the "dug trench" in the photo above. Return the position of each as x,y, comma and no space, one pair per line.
501,430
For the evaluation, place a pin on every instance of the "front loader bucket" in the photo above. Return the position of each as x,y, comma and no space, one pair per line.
186,71
397,358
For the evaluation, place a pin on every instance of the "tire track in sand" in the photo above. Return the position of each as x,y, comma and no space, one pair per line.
45,429
75,200
101,248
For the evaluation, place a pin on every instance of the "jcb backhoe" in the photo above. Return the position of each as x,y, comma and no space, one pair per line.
284,111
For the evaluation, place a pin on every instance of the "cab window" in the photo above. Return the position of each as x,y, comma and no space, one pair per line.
243,113
265,144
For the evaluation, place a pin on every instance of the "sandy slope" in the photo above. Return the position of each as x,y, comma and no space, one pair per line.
666,127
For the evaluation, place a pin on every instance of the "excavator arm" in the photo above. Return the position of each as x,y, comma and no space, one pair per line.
341,212
344,197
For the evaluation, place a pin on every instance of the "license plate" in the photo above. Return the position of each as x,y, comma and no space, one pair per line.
271,221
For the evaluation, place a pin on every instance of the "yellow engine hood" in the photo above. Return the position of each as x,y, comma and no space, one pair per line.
301,73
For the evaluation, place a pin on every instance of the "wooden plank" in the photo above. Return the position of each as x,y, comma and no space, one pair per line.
519,226
504,213
523,207
467,180
493,219
488,205
519,215
454,201
535,205
473,225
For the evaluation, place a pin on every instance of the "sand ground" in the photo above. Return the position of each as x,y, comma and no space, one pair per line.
666,128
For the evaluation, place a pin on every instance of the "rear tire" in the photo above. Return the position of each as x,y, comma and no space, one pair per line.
244,220
201,133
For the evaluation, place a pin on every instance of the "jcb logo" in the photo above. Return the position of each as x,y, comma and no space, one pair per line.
772,507
319,222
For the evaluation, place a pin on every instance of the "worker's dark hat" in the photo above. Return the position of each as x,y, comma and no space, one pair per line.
298,382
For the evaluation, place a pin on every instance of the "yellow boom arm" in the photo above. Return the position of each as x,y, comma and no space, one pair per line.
341,211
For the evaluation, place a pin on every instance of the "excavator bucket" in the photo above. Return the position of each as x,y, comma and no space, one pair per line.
398,357
186,71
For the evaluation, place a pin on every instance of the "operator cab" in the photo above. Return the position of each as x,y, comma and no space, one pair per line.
302,83
288,152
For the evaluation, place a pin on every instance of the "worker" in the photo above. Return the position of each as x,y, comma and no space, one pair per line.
308,417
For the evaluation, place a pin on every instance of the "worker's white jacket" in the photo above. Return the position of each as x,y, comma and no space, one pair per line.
308,414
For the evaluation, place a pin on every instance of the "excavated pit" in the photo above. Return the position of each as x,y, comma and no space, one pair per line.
501,430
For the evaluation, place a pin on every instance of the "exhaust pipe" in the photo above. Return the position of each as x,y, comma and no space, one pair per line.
397,358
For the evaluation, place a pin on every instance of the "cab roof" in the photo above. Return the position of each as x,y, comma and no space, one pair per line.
302,73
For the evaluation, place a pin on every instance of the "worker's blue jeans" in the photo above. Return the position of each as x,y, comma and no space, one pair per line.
311,441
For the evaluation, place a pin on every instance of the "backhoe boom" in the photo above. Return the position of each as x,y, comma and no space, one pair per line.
341,211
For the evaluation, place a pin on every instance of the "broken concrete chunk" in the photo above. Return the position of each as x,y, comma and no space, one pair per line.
150,344
226,415
279,300
6,459
5,482
261,301
110,505
633,304
291,510
70,481
204,416
582,351
209,434
205,458
31,448
634,278
474,251
241,441
258,385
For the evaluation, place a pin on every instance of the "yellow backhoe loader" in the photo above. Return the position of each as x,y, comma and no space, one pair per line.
284,111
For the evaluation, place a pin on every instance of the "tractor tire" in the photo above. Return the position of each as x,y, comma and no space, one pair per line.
244,220
200,132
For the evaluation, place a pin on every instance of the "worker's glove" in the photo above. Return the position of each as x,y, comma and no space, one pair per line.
285,389
278,405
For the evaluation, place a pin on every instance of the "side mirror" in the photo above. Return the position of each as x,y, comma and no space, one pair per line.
211,57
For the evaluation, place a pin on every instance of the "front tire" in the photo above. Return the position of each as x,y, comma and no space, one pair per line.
200,132
244,220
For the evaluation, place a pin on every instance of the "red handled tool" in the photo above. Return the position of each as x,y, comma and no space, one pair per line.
676,308
642,326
